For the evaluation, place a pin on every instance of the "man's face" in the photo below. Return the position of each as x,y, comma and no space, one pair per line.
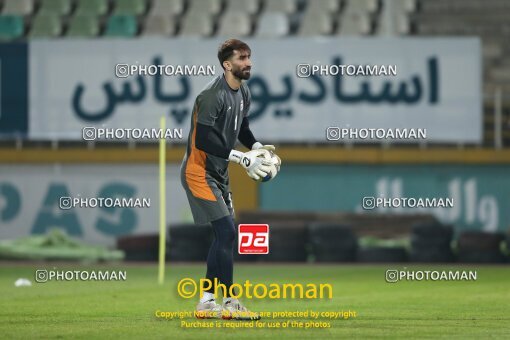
241,64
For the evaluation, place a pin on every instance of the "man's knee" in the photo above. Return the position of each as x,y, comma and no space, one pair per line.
225,227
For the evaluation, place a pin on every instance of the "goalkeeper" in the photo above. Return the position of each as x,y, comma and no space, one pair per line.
219,118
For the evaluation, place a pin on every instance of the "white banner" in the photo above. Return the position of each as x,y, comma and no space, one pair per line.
30,200
437,86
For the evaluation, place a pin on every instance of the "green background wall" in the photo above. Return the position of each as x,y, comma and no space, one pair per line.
481,193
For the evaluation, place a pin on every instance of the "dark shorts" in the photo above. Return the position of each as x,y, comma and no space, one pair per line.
211,201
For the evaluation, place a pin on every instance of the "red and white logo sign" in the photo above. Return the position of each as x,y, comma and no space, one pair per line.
253,239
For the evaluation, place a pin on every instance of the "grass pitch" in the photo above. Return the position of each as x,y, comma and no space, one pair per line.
416,309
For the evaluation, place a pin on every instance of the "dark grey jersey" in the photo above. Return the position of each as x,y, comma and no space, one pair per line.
223,109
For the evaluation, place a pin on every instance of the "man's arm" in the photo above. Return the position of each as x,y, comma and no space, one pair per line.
207,141
209,106
247,139
245,135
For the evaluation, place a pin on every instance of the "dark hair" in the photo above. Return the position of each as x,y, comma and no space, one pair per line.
226,49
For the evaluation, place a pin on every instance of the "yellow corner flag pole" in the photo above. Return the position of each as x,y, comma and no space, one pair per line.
162,203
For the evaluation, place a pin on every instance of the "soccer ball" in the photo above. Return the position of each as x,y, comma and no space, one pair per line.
276,162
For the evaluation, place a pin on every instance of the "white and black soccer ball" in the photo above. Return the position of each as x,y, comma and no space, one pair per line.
275,162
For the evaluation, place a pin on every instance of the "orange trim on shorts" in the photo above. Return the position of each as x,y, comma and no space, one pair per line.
195,169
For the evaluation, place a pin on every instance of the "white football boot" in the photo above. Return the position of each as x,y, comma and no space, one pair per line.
209,310
233,309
